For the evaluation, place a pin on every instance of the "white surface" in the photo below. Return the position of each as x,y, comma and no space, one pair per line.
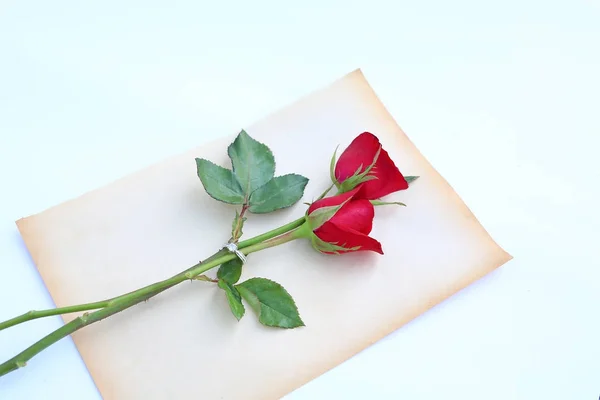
502,99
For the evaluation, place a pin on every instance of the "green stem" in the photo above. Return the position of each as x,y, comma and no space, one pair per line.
271,234
35,314
296,233
239,223
272,238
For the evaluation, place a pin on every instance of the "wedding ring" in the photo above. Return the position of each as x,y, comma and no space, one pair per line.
232,247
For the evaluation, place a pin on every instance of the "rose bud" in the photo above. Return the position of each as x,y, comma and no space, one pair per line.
342,224
367,165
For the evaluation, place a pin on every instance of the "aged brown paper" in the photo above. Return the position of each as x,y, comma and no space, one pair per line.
185,342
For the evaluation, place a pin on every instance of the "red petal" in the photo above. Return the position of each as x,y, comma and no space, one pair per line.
389,179
362,150
357,215
332,233
332,201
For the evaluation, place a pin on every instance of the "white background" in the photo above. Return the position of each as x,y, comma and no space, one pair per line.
503,98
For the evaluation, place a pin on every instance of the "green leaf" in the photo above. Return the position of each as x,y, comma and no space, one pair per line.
326,247
233,298
273,304
370,167
280,192
253,163
359,177
324,193
219,182
386,203
332,166
410,179
321,215
230,271
203,278
237,225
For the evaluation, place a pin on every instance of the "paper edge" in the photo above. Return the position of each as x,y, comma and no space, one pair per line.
418,152
166,159
502,258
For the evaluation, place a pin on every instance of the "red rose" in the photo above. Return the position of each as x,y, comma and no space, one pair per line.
342,224
381,179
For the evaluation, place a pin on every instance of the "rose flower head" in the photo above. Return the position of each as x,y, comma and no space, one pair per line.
342,224
365,164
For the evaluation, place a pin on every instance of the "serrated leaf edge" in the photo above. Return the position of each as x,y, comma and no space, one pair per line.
270,152
232,288
204,185
260,304
283,207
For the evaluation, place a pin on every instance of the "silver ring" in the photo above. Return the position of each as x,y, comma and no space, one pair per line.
232,247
